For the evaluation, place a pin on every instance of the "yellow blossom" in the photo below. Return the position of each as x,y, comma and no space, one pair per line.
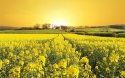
107,70
30,67
6,61
14,72
1,64
73,71
97,67
55,66
122,74
41,59
84,60
62,63
21,63
114,58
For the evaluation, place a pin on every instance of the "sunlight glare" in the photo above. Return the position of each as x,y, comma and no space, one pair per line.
59,22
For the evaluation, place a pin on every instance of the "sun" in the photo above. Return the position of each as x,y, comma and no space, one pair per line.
59,22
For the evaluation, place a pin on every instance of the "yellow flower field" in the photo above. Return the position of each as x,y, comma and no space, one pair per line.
61,56
106,55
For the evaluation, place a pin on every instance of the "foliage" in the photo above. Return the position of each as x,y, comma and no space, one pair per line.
61,56
106,55
45,31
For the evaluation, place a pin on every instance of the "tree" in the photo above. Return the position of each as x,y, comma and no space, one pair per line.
37,26
64,27
46,26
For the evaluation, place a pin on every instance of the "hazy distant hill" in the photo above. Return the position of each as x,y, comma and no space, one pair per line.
7,27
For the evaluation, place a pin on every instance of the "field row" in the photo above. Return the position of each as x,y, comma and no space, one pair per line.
61,56
106,55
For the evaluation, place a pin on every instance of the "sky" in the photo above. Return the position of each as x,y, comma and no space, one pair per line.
67,12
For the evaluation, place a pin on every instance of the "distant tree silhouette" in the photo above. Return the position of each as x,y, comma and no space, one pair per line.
118,26
37,26
58,27
46,26
64,27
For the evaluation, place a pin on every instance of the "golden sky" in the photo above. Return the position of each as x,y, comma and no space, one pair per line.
70,12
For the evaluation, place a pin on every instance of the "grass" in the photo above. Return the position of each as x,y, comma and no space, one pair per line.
31,31
121,35
98,29
84,31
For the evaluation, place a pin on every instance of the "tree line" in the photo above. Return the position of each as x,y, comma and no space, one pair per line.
44,26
